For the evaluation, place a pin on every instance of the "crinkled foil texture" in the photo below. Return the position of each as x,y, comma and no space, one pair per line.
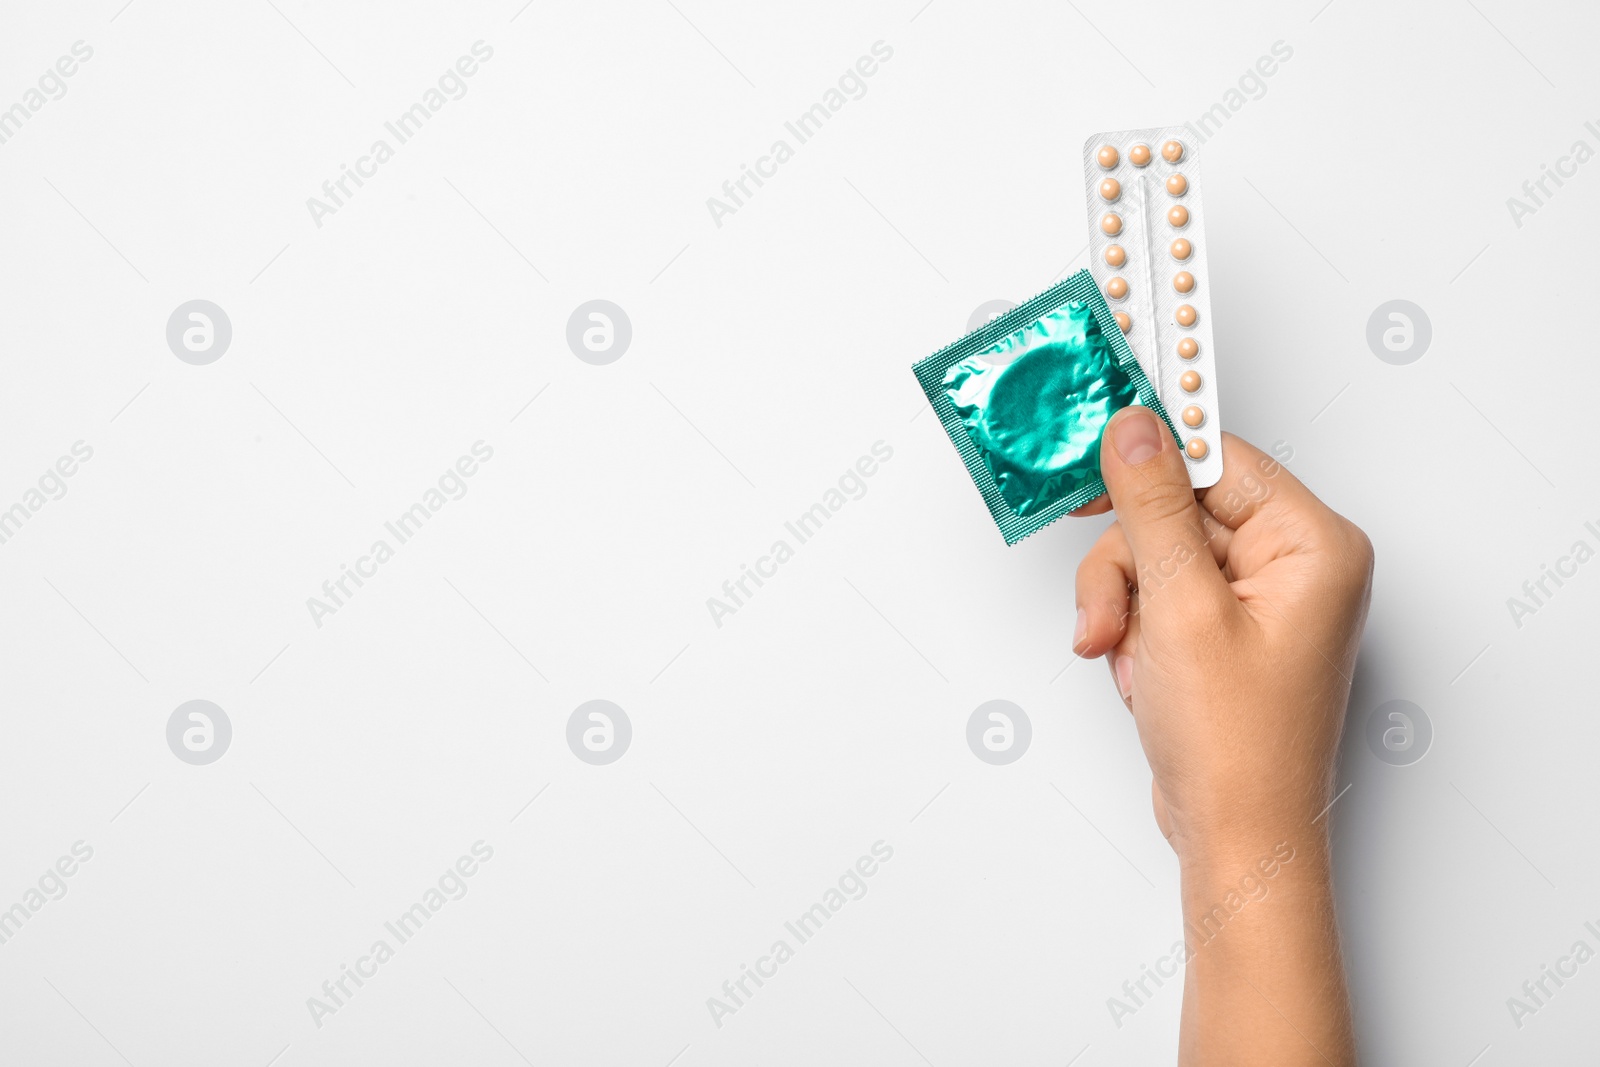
1035,402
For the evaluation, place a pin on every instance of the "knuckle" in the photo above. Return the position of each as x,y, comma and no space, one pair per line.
1356,555
1088,579
1161,501
1362,552
1361,544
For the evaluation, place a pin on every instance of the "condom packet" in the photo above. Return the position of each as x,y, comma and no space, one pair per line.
1025,397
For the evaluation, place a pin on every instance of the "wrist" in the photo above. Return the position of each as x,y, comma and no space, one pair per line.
1215,864
1261,948
1246,885
1227,828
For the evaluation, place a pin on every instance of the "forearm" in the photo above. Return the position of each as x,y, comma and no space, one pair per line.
1264,982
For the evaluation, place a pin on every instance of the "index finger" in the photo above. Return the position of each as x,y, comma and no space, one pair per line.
1254,483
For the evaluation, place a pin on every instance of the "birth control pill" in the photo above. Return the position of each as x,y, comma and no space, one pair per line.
1123,321
1196,448
1111,223
1110,189
1188,348
1139,155
1181,249
1190,381
1185,316
1193,416
1172,151
1107,156
1117,288
1178,215
1115,255
1177,185
1183,281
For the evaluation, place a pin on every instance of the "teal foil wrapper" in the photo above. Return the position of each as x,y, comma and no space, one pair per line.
1026,398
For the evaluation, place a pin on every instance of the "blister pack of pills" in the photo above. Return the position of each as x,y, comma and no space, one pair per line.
1147,251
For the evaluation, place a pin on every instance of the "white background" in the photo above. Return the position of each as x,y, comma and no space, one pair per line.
768,354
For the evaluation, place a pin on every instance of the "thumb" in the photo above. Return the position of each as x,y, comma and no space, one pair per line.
1149,484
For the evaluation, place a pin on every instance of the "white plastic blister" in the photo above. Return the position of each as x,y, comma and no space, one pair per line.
1147,251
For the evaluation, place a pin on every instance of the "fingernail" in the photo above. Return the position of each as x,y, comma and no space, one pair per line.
1124,667
1136,436
1081,630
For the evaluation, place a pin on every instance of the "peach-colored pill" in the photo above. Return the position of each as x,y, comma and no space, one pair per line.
1117,288
1181,249
1196,448
1123,321
1193,416
1183,281
1178,215
1177,185
1188,348
1110,189
1185,316
1107,156
1111,223
1172,151
1139,155
1115,255
1190,381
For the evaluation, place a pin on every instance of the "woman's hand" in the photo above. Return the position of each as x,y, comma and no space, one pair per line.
1230,619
